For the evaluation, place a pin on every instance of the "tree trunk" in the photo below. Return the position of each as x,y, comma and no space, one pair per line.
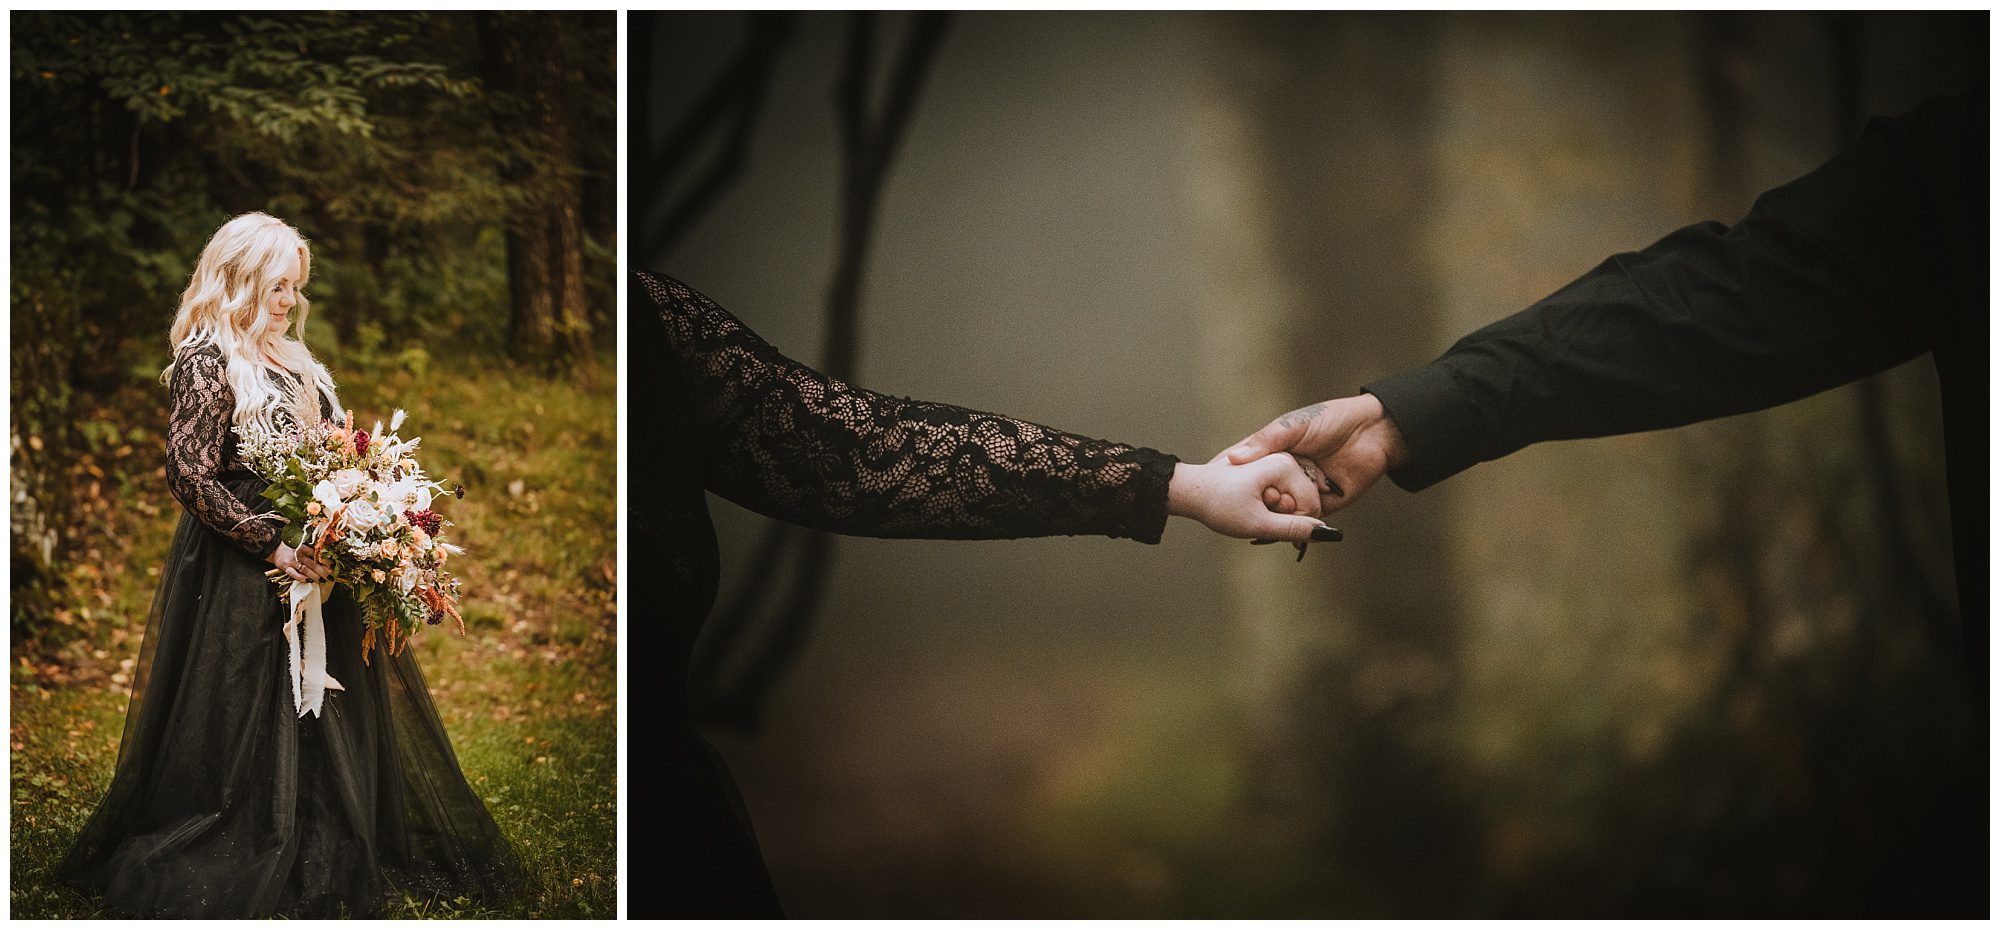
565,206
531,293
521,59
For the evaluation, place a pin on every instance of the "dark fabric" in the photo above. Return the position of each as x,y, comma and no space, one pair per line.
1873,259
705,861
226,803
718,408
1861,265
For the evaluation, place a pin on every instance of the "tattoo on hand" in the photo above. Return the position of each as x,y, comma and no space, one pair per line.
1301,416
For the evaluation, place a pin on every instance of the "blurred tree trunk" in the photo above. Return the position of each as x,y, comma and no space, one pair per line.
549,318
599,188
362,302
531,316
572,296
1358,663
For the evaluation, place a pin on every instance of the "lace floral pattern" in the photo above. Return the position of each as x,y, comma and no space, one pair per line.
795,444
201,448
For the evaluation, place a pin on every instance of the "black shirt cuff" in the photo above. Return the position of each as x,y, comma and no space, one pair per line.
1439,426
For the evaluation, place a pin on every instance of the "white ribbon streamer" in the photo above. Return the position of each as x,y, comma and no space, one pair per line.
306,632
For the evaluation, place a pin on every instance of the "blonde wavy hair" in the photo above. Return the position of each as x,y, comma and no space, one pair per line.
222,306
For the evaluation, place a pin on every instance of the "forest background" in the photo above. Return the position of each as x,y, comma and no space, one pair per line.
456,175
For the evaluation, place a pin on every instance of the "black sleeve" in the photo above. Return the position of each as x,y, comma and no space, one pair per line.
1847,271
794,444
198,422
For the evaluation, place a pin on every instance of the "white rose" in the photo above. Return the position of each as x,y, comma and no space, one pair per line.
347,481
363,516
327,495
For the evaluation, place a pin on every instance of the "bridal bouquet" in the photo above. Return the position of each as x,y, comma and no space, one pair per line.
363,503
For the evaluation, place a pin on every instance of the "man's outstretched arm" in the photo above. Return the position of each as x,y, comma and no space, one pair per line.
1842,273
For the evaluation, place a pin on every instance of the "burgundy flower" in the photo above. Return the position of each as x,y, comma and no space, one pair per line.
361,442
427,520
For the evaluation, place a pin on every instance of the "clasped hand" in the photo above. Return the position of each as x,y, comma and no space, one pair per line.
1351,440
1273,497
1279,481
299,564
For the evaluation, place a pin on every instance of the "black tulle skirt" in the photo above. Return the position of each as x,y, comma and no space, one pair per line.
226,803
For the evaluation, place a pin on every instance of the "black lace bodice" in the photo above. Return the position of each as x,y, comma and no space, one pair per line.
201,449
792,443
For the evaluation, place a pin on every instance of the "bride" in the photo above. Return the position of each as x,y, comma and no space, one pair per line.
226,801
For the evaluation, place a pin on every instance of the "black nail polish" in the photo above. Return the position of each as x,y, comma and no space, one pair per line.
1302,553
1337,492
1325,534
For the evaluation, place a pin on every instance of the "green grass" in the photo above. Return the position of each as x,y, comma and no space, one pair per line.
528,695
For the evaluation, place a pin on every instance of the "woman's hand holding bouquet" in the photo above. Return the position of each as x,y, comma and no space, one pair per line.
358,510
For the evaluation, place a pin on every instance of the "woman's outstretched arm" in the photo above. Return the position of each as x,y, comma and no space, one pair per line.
787,441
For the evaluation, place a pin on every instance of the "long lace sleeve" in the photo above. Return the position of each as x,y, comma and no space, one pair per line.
792,443
200,403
